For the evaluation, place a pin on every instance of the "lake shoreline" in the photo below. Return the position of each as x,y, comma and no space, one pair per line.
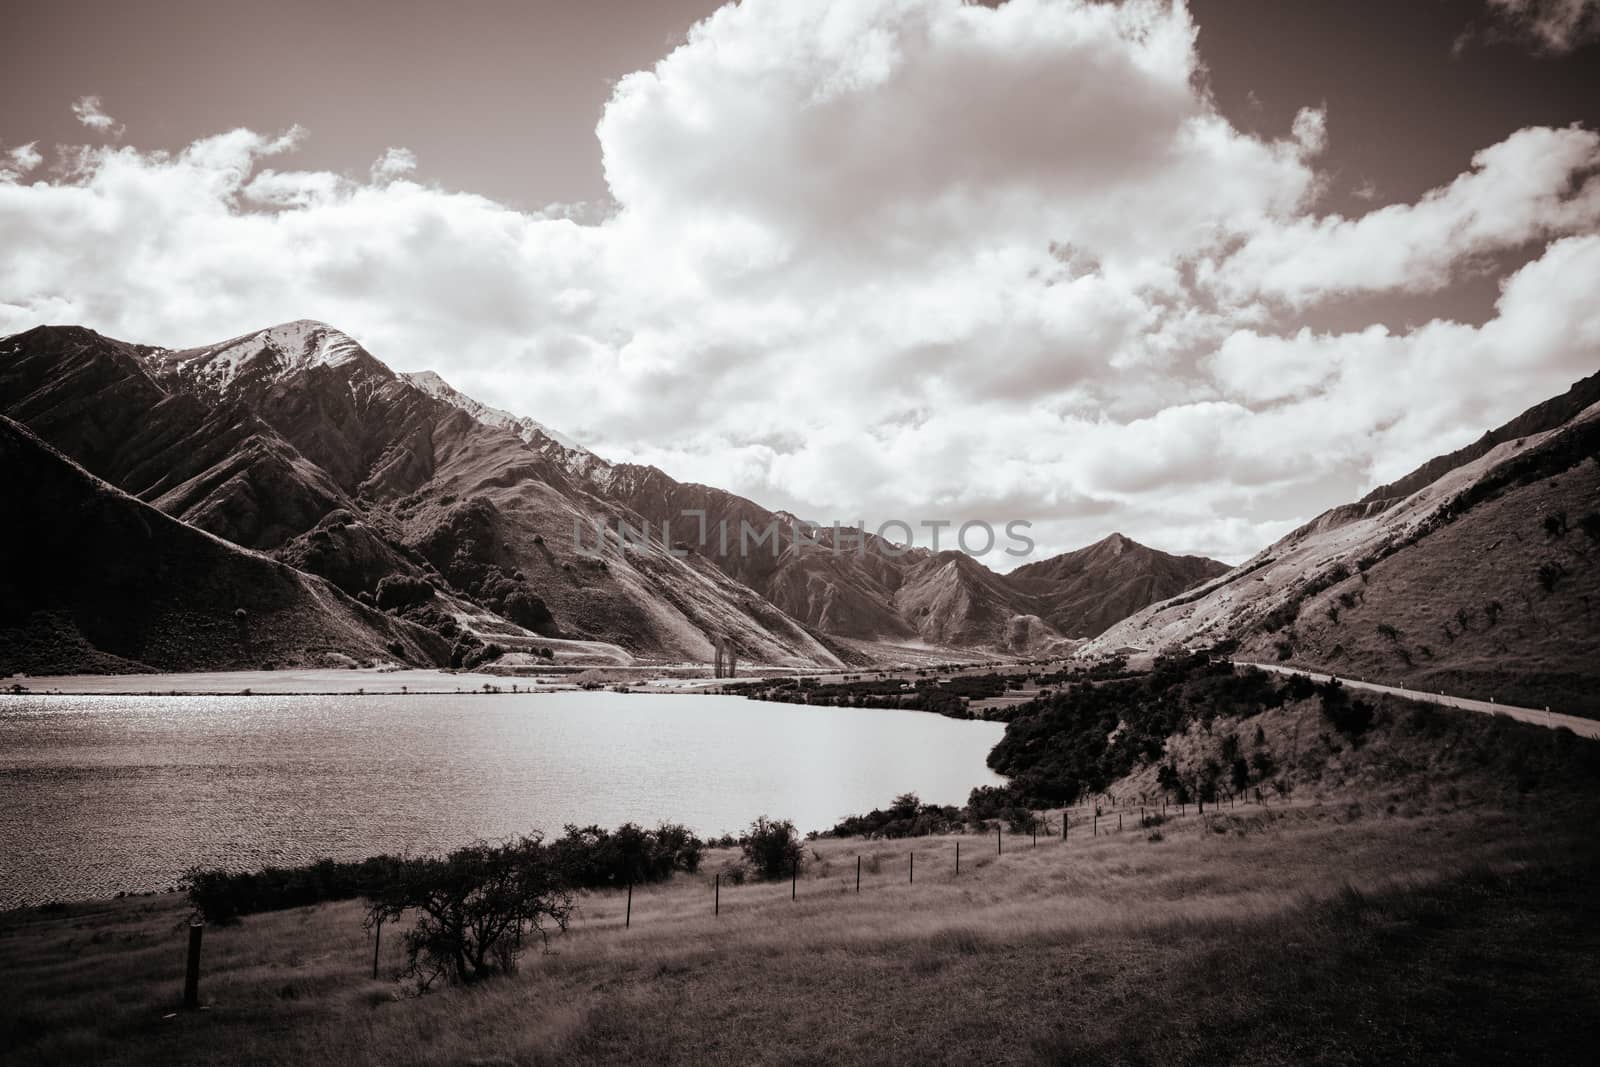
155,785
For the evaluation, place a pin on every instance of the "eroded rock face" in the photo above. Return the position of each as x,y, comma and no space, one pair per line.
104,582
259,438
214,465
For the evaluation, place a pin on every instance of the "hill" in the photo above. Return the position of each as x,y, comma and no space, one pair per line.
1086,591
1479,582
97,581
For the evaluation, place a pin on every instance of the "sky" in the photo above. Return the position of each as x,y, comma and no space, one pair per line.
1190,272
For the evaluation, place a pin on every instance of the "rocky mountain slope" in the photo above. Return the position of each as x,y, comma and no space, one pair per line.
297,439
215,466
1478,580
97,581
885,593
1086,591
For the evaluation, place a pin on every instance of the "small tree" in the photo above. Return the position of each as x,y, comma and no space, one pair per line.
473,907
772,847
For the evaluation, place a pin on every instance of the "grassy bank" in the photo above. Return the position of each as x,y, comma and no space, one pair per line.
1309,933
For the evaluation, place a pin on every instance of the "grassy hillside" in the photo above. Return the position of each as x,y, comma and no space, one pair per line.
1502,604
1482,583
1417,887
1307,934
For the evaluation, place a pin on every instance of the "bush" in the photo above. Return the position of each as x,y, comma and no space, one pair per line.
591,857
772,848
478,656
525,609
472,908
1550,575
398,591
1352,718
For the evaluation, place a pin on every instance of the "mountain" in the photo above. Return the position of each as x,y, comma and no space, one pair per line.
215,466
1086,591
97,581
296,439
1474,575
473,493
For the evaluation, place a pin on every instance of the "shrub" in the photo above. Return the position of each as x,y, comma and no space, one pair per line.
472,908
1388,632
1590,525
465,647
1352,718
772,847
476,657
1555,524
592,857
1550,575
397,591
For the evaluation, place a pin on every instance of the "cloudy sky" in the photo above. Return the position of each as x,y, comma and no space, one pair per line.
1191,272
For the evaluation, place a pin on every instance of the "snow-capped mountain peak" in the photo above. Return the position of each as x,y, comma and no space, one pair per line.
269,354
430,382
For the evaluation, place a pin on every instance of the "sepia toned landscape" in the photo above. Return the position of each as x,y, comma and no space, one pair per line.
866,532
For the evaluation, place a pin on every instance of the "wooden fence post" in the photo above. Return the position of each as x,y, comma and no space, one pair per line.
627,918
1119,822
913,879
958,857
377,940
191,972
1097,823
999,846
858,874
1065,821
716,898
794,880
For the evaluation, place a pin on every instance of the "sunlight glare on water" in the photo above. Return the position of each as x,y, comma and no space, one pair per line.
106,793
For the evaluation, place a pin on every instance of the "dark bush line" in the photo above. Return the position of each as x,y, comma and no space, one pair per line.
1075,742
584,858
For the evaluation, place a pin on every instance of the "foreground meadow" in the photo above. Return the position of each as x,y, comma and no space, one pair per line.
1318,932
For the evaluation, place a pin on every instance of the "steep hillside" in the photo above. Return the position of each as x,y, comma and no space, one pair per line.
476,494
1481,583
215,466
97,581
268,438
1086,591
883,594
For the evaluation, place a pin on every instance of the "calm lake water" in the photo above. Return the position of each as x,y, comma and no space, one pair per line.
106,793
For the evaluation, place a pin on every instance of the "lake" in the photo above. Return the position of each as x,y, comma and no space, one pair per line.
106,793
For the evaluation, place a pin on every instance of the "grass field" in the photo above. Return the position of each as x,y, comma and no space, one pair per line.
1320,933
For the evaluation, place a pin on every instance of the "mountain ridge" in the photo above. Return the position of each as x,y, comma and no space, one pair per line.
496,510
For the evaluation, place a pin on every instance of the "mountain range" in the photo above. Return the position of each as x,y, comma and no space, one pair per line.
414,523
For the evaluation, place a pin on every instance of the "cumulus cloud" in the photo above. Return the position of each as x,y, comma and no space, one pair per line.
1536,184
1554,26
882,258
92,114
21,160
394,163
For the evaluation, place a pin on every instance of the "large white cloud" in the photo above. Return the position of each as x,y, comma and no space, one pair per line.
1535,184
879,258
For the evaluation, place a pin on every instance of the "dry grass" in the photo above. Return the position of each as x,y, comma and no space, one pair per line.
1309,933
